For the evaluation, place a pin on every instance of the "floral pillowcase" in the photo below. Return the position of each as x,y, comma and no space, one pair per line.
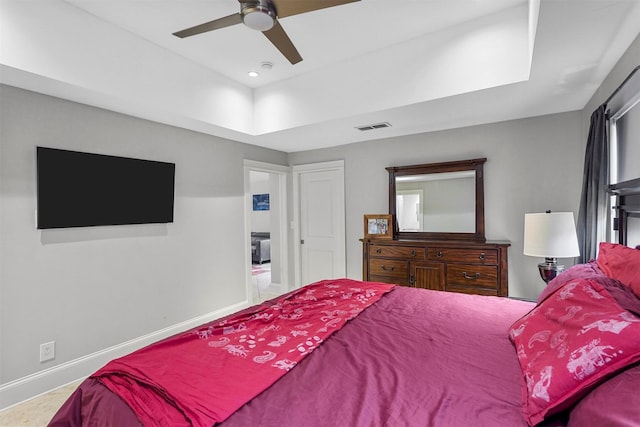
576,338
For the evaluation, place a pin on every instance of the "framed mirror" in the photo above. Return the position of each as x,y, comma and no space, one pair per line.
438,201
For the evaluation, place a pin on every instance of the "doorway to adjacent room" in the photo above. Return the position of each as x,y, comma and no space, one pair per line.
266,231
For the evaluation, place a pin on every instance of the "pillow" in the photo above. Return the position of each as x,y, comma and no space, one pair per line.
616,402
624,295
621,263
569,343
579,271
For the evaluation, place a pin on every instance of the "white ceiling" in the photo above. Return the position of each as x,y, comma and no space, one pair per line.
421,65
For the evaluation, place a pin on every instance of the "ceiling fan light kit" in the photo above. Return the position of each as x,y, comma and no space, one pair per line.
258,16
262,15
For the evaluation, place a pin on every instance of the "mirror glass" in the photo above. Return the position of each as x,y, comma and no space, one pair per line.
438,200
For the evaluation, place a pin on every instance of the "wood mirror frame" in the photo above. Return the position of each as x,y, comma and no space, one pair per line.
476,165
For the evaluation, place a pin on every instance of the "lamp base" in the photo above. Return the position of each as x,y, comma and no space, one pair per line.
549,269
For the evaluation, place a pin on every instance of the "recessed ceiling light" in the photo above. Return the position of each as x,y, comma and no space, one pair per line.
253,74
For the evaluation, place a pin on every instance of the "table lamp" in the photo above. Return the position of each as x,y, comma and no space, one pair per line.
550,235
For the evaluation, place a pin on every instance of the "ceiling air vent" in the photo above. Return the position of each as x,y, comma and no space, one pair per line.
374,126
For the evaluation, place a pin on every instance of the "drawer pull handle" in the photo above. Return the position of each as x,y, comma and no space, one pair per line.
383,267
439,254
483,256
378,250
466,276
413,253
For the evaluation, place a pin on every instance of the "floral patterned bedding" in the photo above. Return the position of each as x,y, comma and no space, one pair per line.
202,376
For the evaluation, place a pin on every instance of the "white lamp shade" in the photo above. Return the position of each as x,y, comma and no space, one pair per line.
550,235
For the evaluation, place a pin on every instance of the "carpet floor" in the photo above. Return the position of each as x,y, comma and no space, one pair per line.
38,411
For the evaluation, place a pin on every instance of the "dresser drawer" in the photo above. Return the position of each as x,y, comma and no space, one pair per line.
391,280
389,267
396,252
479,256
484,276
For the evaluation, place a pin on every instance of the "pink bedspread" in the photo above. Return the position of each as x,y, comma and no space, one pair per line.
414,358
202,376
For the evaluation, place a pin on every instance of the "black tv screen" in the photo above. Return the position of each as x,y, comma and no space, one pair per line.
82,189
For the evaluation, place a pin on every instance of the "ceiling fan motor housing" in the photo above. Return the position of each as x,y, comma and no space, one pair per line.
258,15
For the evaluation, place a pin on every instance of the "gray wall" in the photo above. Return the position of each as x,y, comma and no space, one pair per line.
532,165
91,288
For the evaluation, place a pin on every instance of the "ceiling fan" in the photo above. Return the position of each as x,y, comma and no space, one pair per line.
262,15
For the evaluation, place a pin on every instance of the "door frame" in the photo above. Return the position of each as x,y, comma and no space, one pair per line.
297,170
283,175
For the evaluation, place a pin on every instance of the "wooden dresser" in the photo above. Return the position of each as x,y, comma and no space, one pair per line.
455,266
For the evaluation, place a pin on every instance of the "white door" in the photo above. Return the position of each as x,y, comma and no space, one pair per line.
321,217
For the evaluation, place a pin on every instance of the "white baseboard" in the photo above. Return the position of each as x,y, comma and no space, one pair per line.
34,385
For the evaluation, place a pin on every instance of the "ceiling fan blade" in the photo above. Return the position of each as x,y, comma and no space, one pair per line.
216,24
281,40
294,7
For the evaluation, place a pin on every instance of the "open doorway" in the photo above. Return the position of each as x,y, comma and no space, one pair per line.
266,219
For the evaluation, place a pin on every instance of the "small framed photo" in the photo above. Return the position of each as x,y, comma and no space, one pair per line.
378,226
260,202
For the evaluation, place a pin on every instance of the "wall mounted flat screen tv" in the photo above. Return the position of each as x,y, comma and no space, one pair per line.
82,189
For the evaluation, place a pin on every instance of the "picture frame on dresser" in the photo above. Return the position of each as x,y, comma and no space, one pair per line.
378,226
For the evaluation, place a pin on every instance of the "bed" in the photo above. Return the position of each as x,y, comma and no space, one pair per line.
351,353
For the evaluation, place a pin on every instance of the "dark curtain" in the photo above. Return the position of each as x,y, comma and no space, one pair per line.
592,215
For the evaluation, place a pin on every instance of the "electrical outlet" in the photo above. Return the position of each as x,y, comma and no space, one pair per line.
47,351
